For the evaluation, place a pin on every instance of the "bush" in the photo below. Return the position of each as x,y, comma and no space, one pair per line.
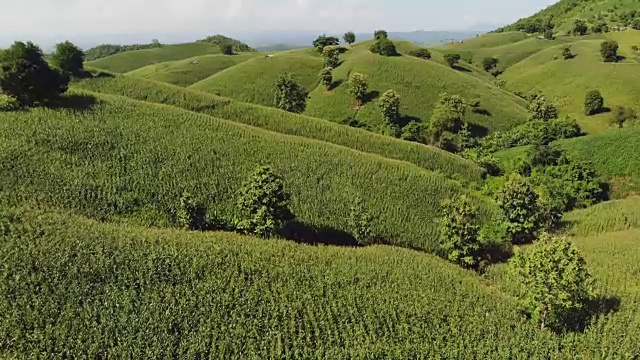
452,59
330,54
548,34
389,104
68,58
622,115
413,132
489,63
8,103
600,27
579,28
361,223
521,209
326,77
380,34
290,96
635,25
323,41
421,53
541,109
593,102
226,49
531,132
264,204
566,52
449,111
609,51
554,282
358,87
384,47
190,215
459,230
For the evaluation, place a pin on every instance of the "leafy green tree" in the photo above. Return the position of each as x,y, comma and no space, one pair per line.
349,37
389,104
190,215
635,25
622,115
566,52
226,49
489,63
609,51
413,132
326,77
579,27
555,284
8,103
380,34
69,58
548,34
361,223
27,77
331,56
290,96
358,87
421,53
541,109
521,208
449,111
384,47
459,231
600,27
264,204
323,41
593,102
452,59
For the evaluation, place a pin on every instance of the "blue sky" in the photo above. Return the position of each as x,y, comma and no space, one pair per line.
58,18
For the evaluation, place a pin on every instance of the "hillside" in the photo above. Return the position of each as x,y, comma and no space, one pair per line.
617,215
130,160
283,122
132,60
190,71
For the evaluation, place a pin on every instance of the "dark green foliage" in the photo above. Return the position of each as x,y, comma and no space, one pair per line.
449,111
548,34
532,132
264,204
609,51
361,223
358,87
323,41
389,104
69,58
459,230
330,54
226,49
290,96
541,109
326,77
380,34
190,215
102,51
489,63
600,27
593,102
579,28
484,160
452,59
531,26
349,37
636,24
566,52
421,53
521,209
413,131
27,77
622,115
555,285
237,46
384,47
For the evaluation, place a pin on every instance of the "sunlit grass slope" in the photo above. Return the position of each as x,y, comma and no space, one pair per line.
254,80
131,60
190,71
609,216
127,159
272,119
566,82
490,40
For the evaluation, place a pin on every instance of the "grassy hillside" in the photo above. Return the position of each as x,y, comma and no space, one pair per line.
419,84
567,81
190,71
490,40
132,60
513,53
126,159
253,80
287,123
610,216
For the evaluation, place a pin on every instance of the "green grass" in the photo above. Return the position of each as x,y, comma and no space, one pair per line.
129,160
253,80
190,71
427,157
419,84
567,81
606,217
132,60
490,40
512,53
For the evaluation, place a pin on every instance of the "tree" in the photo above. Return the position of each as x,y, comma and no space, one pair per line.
26,76
323,41
330,54
361,223
389,104
623,114
190,216
290,96
635,25
579,28
384,47
540,109
566,52
609,51
349,37
358,87
412,132
380,34
555,284
449,111
593,102
421,53
489,63
548,34
459,230
68,58
521,208
600,27
264,204
452,59
326,77
226,49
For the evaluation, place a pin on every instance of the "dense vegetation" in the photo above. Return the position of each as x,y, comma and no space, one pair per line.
221,40
102,51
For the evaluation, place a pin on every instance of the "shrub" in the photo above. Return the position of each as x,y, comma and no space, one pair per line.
8,103
330,54
349,37
380,34
554,282
459,229
521,209
358,87
449,111
566,52
264,204
452,59
593,102
622,115
326,77
290,96
421,53
635,25
489,63
579,28
531,132
413,132
323,41
384,47
226,49
600,27
548,34
609,51
540,109
190,215
389,104
68,58
361,223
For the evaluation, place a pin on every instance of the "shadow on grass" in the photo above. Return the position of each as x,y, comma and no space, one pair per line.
405,120
335,84
460,68
307,234
371,95
74,102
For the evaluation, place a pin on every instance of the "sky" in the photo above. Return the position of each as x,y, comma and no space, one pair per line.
22,19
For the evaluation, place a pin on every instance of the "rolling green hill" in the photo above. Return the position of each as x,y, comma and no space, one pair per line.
617,215
283,122
490,40
131,160
253,80
132,60
189,71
